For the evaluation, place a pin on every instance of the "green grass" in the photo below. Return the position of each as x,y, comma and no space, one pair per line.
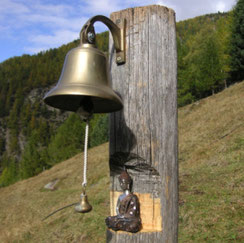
213,209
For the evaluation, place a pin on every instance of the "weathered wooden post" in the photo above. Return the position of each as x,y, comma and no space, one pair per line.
143,136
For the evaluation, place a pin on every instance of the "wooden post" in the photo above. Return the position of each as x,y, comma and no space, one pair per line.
143,136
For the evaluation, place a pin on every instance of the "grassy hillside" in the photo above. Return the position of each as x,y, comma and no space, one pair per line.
211,146
211,157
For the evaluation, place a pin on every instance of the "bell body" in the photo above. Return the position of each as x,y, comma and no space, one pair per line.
84,206
84,76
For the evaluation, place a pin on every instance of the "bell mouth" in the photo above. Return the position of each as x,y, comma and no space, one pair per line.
69,98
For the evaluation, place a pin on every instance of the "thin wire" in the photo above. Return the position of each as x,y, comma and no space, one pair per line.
72,204
85,155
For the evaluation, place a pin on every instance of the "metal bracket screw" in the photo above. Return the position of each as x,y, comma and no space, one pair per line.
91,37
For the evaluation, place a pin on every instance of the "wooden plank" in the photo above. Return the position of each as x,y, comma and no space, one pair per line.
143,136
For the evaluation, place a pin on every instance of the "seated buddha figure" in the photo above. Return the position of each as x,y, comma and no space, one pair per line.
127,209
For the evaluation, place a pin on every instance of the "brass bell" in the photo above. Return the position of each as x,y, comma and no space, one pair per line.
83,206
85,84
84,78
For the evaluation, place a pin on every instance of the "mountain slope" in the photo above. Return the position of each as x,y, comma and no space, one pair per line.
211,146
211,157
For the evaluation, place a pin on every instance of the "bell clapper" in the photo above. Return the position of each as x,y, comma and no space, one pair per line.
83,206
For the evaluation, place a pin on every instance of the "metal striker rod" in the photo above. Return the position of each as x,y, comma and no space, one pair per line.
72,204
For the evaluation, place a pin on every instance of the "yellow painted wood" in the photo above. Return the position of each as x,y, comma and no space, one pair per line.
150,209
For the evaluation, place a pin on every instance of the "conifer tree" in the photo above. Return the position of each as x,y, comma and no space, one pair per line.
210,75
9,174
237,43
99,133
31,162
67,141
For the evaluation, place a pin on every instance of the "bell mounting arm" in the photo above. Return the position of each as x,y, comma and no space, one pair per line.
87,34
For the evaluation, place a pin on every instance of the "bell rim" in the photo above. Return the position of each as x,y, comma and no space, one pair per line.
99,92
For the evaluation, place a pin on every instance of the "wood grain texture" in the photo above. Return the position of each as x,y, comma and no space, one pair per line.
143,136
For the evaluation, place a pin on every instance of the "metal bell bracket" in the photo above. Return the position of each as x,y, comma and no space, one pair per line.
87,34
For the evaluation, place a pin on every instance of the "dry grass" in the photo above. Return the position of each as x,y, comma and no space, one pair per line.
211,146
209,126
211,158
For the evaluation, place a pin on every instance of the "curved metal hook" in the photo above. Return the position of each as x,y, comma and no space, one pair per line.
87,33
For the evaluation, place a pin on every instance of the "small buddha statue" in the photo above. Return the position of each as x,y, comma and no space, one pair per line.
127,209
